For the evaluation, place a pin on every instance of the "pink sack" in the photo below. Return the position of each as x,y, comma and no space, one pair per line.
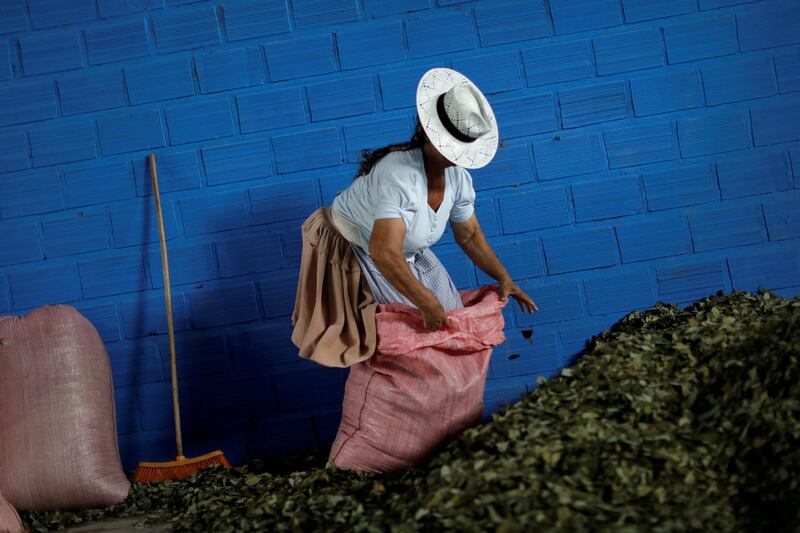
420,389
58,439
9,519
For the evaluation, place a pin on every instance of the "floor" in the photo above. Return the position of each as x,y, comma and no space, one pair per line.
118,525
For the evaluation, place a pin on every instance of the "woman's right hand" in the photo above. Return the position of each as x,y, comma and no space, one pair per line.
434,316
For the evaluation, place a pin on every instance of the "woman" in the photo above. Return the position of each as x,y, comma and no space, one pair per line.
372,245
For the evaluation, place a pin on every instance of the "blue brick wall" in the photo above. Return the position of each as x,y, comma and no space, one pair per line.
650,152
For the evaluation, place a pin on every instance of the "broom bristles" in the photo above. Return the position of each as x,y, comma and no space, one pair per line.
180,468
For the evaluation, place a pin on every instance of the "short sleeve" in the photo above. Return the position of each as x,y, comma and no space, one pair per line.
394,199
464,202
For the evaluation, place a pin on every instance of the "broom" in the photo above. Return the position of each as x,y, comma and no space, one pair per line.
181,467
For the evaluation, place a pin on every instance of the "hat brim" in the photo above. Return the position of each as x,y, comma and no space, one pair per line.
474,154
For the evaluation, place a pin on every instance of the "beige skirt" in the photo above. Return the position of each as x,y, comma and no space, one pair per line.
334,310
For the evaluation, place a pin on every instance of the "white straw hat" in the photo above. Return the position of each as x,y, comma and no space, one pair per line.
457,118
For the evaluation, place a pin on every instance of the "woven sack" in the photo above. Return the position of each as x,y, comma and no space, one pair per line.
9,519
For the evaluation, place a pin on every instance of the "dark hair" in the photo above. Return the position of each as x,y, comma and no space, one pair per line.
370,157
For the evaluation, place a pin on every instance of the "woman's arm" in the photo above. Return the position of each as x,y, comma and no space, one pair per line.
470,238
386,251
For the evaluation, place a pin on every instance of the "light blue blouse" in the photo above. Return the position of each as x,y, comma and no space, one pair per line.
397,187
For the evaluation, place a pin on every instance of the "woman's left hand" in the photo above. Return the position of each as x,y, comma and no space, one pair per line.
526,303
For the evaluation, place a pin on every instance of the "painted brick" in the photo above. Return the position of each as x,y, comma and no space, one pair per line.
638,10
13,151
298,58
580,250
130,132
667,92
249,254
381,8
633,50
101,183
783,218
324,385
679,186
701,39
200,121
212,212
557,301
273,109
310,12
116,42
739,80
726,227
607,198
426,38
371,44
768,26
713,133
137,223
74,235
255,18
27,102
762,173
332,185
492,73
237,162
12,16
147,315
63,143
30,193
621,292
502,392
769,269
46,13
43,286
113,275
527,115
399,87
519,356
223,305
105,320
511,166
690,281
776,123
714,4
570,16
268,343
52,51
6,72
486,212
91,92
594,103
787,67
247,395
133,363
520,20
639,145
186,29
285,433
327,100
570,156
307,150
159,80
125,416
795,157
653,237
114,8
200,355
278,290
551,206
522,258
556,63
189,263
5,299
372,135
177,171
574,339
229,69
283,200
19,243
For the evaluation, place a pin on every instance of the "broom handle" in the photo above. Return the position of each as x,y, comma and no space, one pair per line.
151,158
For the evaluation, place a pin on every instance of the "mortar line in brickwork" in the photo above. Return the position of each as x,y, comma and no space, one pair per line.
336,55
222,29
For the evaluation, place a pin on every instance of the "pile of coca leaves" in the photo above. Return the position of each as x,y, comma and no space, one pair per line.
673,420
